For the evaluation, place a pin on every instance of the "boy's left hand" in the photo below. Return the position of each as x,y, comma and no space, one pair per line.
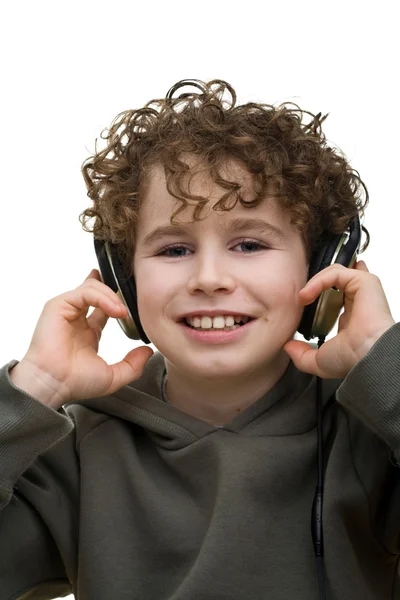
365,318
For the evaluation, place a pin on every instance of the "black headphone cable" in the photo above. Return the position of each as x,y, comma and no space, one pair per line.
316,515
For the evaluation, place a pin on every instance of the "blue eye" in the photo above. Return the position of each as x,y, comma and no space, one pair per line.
178,251
166,251
251,243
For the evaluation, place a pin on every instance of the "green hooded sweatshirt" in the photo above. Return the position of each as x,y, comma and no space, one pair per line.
126,497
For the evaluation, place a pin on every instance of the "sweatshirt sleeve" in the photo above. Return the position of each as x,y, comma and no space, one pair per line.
371,393
39,483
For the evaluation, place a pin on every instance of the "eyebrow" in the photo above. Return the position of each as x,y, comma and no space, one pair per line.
233,226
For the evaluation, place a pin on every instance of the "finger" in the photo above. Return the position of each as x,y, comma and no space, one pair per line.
97,321
79,301
130,368
303,356
94,274
335,276
361,266
103,288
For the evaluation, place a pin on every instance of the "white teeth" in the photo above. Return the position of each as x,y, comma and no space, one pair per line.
242,319
206,323
219,322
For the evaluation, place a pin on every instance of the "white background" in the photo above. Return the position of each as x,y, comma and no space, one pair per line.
69,68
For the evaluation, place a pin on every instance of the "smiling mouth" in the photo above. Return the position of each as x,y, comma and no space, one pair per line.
228,328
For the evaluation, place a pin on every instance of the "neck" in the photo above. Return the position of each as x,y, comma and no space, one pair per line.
218,401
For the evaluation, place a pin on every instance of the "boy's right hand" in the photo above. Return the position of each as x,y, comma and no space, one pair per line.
62,363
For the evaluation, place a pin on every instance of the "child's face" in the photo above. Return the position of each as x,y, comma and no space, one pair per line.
211,268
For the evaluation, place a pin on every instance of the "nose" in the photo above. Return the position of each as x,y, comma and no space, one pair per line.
211,275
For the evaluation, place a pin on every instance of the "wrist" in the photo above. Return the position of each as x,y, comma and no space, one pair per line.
40,385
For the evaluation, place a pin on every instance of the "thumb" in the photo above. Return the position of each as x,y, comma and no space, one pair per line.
302,355
130,368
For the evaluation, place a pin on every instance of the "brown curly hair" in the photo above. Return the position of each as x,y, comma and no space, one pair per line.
314,182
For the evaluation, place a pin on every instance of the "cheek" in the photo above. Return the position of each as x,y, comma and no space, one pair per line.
149,292
149,306
281,291
145,288
154,289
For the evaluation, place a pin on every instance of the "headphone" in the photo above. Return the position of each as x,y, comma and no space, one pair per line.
318,318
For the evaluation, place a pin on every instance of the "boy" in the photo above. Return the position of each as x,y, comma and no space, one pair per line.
190,473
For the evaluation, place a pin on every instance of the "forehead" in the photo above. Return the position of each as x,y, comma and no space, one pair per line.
157,204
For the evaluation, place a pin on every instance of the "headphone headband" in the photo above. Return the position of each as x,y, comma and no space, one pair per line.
184,82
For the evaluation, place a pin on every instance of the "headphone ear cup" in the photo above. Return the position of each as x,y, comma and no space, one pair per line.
319,317
112,274
320,260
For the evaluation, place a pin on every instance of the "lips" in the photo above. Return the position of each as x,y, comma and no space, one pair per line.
216,336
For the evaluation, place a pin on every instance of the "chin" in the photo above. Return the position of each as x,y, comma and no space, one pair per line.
229,366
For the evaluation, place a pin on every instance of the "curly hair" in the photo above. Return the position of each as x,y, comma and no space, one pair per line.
313,181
